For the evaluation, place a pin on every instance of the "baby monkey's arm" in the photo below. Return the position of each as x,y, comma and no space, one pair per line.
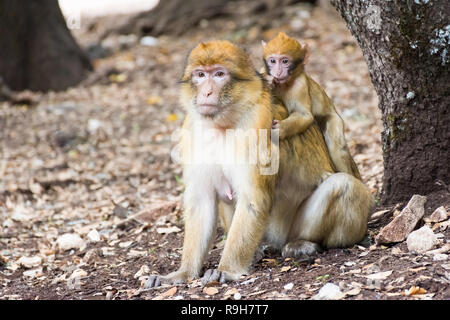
300,116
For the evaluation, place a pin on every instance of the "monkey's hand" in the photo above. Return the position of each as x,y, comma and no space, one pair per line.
212,275
283,129
275,124
176,277
270,81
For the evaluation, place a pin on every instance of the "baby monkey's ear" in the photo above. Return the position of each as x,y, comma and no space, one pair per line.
307,51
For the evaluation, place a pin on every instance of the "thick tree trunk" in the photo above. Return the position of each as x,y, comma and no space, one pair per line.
177,16
37,51
406,46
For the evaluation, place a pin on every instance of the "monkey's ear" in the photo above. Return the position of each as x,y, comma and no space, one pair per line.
306,48
263,43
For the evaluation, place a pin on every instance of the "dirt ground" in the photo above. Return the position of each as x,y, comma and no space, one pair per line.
94,161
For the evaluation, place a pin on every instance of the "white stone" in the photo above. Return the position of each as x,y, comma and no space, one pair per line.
149,41
70,241
289,286
21,214
421,240
93,125
33,273
440,214
440,257
405,222
30,262
93,236
329,291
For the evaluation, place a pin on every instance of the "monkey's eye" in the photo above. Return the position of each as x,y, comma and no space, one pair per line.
220,74
285,61
272,61
200,74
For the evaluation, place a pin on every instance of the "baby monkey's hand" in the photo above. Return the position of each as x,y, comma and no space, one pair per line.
275,124
271,81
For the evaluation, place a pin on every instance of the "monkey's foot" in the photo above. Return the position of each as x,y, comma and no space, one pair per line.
300,249
153,281
265,250
212,275
176,277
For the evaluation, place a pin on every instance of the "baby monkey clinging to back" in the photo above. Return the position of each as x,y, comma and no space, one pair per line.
306,101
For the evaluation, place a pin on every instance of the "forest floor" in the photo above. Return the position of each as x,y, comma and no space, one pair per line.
94,162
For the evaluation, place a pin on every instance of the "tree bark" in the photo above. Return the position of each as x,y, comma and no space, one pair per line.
406,46
37,49
177,16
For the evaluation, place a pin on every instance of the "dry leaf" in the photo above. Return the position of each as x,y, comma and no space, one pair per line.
78,273
125,244
172,117
213,284
363,254
153,100
256,293
416,269
168,230
415,290
142,271
136,253
119,78
231,292
284,269
379,275
210,291
378,214
353,292
396,251
367,266
270,261
170,292
354,271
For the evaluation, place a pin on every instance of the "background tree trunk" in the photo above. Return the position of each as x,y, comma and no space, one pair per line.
37,49
406,46
177,16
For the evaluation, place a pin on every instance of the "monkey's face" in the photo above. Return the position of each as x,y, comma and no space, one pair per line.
210,82
280,66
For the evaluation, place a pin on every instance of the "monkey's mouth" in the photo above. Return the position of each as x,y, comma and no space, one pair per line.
280,80
208,109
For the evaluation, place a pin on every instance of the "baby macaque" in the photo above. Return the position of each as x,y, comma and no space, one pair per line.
306,101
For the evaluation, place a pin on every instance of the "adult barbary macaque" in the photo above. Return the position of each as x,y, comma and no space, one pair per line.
292,209
306,101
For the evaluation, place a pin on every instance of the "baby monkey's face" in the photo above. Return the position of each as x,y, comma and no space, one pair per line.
279,66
